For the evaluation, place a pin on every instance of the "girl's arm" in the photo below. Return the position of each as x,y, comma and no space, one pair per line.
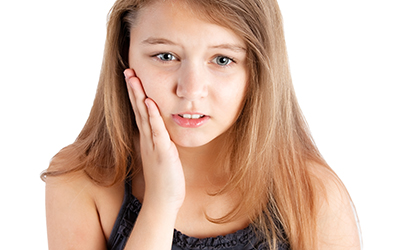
163,174
71,214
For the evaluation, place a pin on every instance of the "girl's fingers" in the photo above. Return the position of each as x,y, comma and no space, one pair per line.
159,132
131,96
148,118
137,97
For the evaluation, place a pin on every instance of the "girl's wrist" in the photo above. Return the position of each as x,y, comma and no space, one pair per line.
162,207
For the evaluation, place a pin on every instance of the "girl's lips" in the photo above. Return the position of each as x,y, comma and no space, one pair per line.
195,121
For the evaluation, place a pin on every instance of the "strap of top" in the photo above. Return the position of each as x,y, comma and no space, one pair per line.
128,188
122,227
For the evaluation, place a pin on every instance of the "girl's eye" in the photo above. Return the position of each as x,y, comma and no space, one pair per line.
222,60
166,57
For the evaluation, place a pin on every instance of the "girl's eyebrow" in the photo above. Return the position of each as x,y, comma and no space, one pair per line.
229,46
155,41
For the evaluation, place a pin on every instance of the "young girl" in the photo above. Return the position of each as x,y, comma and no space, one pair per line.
196,140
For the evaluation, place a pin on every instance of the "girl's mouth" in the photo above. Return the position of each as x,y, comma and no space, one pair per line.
190,116
190,120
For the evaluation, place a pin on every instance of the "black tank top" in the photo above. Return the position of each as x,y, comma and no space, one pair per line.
244,239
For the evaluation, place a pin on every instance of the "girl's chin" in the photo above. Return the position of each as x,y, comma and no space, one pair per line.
191,141
197,141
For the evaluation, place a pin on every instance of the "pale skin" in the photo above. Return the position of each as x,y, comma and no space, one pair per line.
176,69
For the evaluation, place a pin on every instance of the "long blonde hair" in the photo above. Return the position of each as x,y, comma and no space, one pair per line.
270,145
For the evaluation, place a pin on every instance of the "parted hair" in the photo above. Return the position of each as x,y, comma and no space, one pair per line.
269,149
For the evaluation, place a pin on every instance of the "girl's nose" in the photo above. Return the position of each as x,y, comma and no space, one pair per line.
192,84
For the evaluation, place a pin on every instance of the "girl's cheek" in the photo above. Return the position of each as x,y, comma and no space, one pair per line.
144,79
155,92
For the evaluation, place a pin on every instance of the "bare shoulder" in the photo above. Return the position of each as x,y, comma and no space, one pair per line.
73,207
337,225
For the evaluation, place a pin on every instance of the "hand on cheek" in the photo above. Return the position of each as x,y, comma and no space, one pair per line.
162,168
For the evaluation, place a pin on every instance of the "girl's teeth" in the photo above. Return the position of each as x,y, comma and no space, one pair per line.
189,116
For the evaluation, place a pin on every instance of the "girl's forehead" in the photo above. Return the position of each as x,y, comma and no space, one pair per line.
184,10
169,20
200,9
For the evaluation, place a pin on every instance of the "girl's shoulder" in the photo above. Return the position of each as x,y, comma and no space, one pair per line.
337,221
79,211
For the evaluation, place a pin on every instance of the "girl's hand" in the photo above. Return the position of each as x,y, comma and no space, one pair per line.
162,168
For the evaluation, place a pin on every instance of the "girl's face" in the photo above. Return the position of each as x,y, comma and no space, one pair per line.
195,71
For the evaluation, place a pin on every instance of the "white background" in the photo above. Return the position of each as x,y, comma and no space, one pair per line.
345,62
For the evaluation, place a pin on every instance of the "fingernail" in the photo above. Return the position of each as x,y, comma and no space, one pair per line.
146,102
125,73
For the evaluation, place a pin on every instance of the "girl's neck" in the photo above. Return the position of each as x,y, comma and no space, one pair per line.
203,165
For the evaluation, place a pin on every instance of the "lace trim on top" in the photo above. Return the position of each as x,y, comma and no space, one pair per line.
240,237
